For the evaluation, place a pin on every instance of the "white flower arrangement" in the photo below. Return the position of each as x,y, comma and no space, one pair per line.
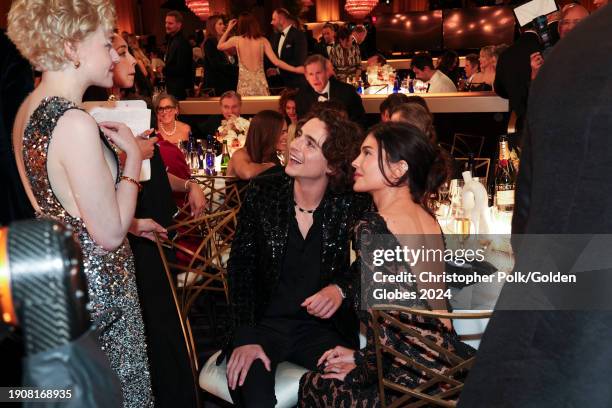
380,75
234,131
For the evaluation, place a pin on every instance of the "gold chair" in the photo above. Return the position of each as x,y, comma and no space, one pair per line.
198,251
464,144
221,192
449,382
481,166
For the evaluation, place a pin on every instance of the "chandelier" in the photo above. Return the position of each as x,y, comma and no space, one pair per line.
360,8
200,8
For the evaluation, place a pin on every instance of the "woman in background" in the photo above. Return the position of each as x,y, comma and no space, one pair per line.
449,65
266,142
345,56
219,72
169,127
251,47
483,80
169,361
286,106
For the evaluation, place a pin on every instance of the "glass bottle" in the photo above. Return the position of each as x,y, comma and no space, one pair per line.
505,178
225,158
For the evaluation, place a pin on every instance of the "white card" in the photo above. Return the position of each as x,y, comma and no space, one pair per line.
134,114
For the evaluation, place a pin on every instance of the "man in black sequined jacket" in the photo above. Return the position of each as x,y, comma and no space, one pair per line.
289,278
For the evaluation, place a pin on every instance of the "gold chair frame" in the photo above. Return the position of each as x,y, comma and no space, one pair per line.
479,163
463,144
457,364
215,233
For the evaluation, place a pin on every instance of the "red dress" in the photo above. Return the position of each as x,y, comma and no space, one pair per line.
175,163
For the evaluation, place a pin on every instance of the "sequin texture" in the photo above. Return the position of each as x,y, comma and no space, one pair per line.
110,274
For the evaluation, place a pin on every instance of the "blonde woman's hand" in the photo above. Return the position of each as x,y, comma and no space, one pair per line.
121,136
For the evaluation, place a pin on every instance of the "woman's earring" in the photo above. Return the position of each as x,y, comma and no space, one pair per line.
77,64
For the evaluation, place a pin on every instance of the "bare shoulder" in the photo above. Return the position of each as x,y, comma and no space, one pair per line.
184,126
77,126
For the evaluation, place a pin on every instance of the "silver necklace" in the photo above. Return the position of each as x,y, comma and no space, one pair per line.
167,132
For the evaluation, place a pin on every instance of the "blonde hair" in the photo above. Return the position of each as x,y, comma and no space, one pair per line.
40,28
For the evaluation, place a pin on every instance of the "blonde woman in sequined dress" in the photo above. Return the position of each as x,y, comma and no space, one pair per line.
69,167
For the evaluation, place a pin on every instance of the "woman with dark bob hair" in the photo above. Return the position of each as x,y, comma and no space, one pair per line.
399,167
266,143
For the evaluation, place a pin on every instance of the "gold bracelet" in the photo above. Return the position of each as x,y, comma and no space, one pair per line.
186,183
131,180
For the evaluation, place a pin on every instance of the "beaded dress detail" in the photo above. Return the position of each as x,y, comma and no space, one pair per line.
252,83
110,274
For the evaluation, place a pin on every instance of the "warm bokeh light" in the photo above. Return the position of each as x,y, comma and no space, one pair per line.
360,8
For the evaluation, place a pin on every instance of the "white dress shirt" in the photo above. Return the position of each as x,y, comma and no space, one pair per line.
281,41
441,83
325,90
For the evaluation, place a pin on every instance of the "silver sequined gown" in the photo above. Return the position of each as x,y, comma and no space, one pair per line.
110,274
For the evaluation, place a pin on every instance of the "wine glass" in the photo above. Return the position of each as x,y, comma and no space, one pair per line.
462,225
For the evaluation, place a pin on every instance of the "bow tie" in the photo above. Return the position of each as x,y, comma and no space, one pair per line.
282,33
323,94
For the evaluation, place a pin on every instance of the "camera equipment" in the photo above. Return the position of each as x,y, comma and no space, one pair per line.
540,25
43,289
42,284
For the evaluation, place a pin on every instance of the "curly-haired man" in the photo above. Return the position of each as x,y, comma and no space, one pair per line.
289,278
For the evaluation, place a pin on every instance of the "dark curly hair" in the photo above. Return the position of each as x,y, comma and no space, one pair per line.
340,147
428,165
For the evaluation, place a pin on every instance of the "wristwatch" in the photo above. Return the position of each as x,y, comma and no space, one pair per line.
341,291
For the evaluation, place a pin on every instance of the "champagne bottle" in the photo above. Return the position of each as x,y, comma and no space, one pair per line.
505,178
225,158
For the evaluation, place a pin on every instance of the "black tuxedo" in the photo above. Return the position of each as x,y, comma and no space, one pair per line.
338,91
321,48
178,71
294,52
513,74
558,358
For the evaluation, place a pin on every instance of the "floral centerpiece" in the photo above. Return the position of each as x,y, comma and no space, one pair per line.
233,131
381,74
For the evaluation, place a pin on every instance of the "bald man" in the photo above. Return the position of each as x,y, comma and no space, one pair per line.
599,3
571,15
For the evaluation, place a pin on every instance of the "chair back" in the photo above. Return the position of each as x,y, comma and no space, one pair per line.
482,166
439,388
464,144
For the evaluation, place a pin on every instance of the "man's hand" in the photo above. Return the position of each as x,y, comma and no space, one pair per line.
536,61
146,146
324,303
240,363
197,200
272,72
146,228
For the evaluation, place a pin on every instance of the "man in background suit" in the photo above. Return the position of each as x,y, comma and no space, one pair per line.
322,88
178,69
289,44
327,40
553,358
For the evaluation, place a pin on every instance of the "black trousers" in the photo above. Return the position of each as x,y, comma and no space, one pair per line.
299,342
